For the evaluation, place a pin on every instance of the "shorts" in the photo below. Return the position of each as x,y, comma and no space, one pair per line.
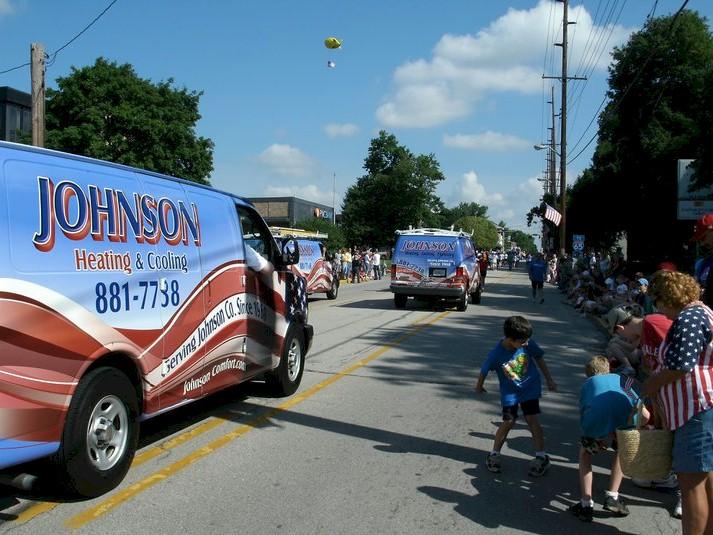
537,285
529,408
598,445
693,444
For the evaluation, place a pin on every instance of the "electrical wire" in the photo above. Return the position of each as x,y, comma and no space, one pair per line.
631,85
52,57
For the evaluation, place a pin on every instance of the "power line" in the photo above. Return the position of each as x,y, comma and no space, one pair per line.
53,56
631,85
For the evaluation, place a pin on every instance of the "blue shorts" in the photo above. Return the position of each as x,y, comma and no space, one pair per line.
693,444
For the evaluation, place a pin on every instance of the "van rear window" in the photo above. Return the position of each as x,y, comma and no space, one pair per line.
438,246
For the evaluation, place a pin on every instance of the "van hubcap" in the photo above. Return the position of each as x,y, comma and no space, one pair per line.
294,360
107,433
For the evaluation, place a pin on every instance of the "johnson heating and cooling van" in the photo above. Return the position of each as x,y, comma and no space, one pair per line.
124,294
435,264
317,269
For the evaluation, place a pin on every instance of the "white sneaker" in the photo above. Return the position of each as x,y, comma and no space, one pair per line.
678,510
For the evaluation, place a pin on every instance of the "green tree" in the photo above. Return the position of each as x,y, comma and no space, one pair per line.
397,191
656,86
106,111
524,241
464,209
336,234
485,233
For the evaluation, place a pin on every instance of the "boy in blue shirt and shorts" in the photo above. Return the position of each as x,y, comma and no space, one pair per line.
515,359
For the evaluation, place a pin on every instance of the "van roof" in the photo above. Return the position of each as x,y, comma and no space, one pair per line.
96,161
433,232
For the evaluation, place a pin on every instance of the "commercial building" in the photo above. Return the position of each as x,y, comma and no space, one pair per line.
15,114
287,211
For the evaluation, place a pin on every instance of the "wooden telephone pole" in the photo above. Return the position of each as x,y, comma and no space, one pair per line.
37,73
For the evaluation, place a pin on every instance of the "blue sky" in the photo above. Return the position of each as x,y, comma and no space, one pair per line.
461,79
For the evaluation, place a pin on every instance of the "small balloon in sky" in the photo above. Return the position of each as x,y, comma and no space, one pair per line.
332,42
331,64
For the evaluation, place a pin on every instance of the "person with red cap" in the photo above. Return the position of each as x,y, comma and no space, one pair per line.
704,236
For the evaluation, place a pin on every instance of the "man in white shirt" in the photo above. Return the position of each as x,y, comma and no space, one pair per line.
376,265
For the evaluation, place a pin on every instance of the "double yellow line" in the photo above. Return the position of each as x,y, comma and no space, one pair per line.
133,490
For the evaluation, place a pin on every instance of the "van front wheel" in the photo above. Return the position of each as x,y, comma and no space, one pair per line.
285,379
334,290
400,300
100,434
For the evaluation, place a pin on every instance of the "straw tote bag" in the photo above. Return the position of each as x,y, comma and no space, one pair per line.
644,453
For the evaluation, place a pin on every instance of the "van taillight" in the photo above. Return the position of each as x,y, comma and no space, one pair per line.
461,272
393,271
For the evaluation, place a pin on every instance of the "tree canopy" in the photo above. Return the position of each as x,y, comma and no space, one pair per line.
656,115
106,111
336,234
464,209
397,191
485,233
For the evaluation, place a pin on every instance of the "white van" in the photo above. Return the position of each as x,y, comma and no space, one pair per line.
124,294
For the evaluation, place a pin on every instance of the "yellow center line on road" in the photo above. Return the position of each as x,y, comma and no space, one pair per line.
133,490
141,458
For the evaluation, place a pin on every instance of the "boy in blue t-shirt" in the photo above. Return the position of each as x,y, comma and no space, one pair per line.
605,402
513,359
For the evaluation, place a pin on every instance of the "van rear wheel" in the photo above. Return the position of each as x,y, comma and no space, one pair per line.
463,302
400,300
100,434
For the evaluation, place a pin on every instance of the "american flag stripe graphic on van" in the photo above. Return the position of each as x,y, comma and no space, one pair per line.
47,341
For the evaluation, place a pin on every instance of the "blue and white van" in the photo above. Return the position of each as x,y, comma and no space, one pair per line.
124,294
436,264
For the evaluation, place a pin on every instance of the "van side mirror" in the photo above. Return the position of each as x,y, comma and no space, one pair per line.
290,252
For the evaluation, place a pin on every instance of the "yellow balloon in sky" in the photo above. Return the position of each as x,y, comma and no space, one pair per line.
332,42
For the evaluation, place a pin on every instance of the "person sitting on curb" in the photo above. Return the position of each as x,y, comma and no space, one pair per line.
605,402
622,349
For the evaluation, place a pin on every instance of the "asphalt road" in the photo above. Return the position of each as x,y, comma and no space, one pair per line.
385,435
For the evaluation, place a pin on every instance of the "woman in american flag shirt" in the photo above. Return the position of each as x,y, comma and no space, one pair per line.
684,388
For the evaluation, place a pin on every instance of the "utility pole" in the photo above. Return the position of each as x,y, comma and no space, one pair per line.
563,126
334,196
553,153
37,75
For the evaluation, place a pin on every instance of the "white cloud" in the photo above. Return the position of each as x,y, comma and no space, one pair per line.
6,7
509,206
471,190
310,192
487,141
286,160
505,56
341,130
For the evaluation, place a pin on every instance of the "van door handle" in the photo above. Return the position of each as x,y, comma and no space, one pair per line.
244,280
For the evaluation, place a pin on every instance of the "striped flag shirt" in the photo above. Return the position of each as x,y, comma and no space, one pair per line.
688,347
552,215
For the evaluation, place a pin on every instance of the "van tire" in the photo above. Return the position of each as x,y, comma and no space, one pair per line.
102,392
400,300
334,290
285,379
463,302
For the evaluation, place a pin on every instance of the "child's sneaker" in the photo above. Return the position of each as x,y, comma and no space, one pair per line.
493,463
539,465
678,510
616,506
585,514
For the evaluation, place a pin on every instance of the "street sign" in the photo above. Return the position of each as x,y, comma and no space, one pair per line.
578,242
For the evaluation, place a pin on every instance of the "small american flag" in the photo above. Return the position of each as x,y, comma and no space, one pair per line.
552,215
298,296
